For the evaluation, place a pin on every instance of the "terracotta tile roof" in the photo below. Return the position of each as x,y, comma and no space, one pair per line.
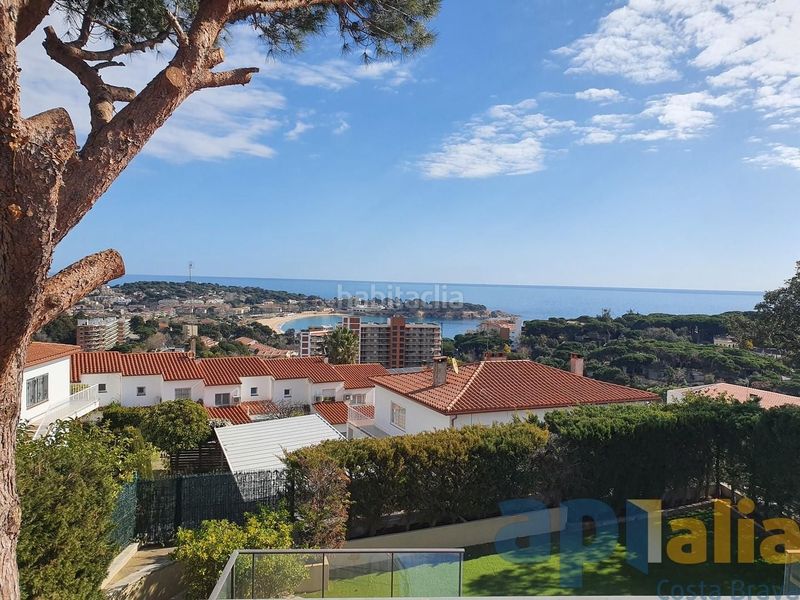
313,368
229,370
743,394
335,413
43,352
241,413
358,376
88,363
508,385
179,366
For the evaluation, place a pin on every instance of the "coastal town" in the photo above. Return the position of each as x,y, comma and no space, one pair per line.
399,299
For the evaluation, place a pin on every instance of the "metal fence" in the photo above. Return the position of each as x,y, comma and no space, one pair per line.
162,505
124,516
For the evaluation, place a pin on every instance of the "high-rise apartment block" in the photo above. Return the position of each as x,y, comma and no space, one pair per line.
394,344
102,333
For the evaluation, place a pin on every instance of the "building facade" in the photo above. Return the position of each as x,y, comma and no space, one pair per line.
395,344
102,333
481,393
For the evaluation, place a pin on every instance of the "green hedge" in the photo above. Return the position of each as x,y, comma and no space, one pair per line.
609,453
443,476
68,483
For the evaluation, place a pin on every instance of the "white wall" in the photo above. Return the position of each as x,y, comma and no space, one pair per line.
212,390
168,389
264,385
57,386
368,392
419,418
317,389
299,388
153,390
113,383
490,418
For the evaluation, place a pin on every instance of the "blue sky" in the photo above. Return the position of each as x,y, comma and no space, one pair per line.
650,143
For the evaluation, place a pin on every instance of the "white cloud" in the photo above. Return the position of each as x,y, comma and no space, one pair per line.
604,95
748,46
342,127
299,129
778,155
680,116
337,74
504,140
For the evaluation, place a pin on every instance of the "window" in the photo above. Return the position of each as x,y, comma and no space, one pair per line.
36,390
359,399
101,388
222,399
183,393
398,416
254,391
141,391
287,393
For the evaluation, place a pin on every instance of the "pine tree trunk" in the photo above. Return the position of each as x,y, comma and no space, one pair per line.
10,383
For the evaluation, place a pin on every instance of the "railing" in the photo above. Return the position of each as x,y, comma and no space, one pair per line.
76,405
342,573
361,415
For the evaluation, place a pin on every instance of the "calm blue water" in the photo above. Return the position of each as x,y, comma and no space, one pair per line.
529,302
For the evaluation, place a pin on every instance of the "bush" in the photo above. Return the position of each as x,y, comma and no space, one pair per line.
448,475
205,551
68,483
117,417
321,501
176,425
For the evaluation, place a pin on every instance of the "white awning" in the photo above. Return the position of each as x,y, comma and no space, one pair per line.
260,446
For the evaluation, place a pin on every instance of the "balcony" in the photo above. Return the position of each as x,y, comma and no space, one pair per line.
80,403
362,417
344,573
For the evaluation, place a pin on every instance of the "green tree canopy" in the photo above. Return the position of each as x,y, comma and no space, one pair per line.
176,425
341,346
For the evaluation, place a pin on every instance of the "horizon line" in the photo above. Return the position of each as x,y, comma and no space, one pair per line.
512,285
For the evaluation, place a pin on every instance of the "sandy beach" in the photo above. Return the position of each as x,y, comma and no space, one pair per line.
277,323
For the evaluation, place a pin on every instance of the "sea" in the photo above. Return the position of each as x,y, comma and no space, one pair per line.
525,301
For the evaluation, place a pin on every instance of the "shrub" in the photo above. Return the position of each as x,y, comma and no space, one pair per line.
68,483
176,425
117,417
204,552
447,475
321,501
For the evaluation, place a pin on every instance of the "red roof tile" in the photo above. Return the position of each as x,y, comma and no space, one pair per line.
229,370
44,352
240,413
179,366
335,413
313,368
742,393
508,385
358,376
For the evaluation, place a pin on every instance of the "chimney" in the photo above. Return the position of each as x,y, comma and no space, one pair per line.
439,370
576,364
192,347
494,356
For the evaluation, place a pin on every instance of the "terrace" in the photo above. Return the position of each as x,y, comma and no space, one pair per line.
342,573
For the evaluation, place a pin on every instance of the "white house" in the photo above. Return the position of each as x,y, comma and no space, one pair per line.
480,393
47,395
146,379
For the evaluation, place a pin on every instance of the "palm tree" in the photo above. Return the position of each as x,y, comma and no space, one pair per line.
341,346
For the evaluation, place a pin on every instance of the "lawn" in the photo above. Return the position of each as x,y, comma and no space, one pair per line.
488,574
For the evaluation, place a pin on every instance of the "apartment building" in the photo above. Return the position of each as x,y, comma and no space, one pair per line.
102,333
394,344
